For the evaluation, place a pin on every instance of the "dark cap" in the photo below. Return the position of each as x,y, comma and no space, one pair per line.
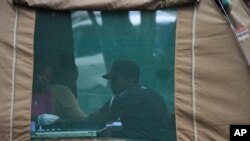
123,67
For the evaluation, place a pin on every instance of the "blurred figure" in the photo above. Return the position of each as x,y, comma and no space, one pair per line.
52,102
142,112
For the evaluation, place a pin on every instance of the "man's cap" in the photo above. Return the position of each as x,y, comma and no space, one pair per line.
123,67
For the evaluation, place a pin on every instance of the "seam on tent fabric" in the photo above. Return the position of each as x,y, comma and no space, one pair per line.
13,70
193,73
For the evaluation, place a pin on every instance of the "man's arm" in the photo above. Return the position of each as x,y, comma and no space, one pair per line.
101,116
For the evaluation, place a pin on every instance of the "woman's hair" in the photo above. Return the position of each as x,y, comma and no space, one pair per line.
41,66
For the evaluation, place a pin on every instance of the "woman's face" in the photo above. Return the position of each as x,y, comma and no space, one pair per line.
42,79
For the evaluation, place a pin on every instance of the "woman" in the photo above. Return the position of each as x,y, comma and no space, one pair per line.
52,102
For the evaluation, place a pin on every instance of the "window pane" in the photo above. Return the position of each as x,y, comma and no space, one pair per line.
135,49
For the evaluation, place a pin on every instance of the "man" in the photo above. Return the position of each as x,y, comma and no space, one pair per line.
141,110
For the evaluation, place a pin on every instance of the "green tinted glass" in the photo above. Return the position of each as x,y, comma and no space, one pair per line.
133,49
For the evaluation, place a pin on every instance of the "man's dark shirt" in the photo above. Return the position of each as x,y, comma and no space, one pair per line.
142,112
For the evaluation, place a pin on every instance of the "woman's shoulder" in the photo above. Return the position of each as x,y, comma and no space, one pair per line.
61,90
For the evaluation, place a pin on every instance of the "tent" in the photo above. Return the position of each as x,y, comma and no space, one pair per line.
212,56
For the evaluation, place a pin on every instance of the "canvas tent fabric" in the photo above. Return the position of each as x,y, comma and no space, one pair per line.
103,4
211,75
16,66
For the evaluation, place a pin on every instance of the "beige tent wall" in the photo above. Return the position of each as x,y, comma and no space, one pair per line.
16,60
102,4
183,73
212,77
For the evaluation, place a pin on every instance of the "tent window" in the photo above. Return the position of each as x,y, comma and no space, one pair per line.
72,53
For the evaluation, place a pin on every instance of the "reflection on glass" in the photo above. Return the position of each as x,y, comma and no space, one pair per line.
136,96
90,84
98,17
165,17
92,68
135,17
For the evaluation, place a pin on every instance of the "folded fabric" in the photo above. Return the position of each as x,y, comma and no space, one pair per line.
47,119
